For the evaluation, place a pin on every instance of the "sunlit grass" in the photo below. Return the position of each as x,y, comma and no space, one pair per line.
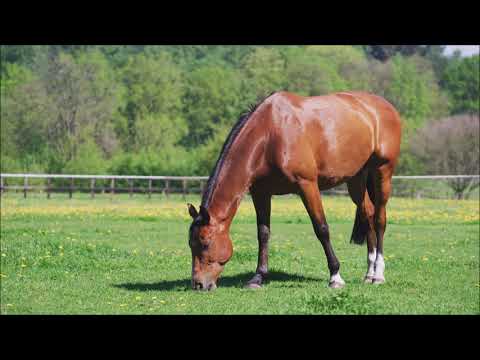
130,256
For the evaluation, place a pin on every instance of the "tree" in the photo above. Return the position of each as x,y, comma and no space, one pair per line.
264,69
462,82
451,146
154,88
385,52
311,72
25,110
85,96
213,98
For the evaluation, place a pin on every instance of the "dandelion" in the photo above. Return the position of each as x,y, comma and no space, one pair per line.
162,301
138,298
3,254
23,265
154,298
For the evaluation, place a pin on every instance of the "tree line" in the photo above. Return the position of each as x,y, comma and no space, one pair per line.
150,110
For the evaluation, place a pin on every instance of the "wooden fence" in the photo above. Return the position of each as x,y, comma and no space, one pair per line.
149,184
112,188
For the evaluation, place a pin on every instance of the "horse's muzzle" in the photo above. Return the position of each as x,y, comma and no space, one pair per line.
203,286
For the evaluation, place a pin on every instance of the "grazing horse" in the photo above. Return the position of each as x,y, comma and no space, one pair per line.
293,144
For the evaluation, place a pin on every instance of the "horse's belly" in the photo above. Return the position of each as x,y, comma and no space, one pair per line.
326,183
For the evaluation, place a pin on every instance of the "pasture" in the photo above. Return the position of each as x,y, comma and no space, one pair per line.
131,256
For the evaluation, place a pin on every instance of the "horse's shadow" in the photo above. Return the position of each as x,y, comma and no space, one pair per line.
236,281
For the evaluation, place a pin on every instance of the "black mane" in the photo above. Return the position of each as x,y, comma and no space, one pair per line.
212,180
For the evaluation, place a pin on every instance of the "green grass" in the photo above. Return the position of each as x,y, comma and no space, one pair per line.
131,256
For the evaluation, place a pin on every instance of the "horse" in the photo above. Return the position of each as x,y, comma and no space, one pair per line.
291,144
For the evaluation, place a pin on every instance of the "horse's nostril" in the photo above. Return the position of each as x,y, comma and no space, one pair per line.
198,286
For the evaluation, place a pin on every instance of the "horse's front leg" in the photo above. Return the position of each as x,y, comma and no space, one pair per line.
262,203
310,194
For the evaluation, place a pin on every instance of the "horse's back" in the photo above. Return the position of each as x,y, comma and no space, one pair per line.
332,136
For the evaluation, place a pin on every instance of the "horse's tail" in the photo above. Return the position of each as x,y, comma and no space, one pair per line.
360,227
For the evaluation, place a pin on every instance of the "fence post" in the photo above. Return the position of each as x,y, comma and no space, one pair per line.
130,189
112,187
92,188
184,188
202,188
49,181
167,187
25,185
70,188
1,185
149,188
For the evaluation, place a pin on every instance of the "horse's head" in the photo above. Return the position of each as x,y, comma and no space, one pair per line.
211,248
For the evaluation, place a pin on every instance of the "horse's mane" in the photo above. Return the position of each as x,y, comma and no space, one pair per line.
212,180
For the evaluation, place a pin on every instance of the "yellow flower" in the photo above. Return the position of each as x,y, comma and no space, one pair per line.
138,298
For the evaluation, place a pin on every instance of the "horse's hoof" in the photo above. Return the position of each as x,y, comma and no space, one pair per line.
368,280
336,285
378,281
253,286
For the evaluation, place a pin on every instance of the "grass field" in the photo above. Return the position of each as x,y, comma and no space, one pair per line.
131,256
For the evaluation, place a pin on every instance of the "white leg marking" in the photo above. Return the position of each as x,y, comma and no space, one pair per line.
379,268
336,281
372,256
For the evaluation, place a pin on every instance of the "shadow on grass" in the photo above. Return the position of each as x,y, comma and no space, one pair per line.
238,281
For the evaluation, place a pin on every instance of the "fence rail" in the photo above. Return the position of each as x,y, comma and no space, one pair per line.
111,182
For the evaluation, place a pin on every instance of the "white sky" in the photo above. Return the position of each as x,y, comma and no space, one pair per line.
467,50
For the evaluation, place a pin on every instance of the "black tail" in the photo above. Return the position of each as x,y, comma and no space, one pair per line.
360,227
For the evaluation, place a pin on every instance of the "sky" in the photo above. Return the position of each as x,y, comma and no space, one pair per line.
467,50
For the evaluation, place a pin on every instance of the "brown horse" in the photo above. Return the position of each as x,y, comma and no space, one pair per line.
294,144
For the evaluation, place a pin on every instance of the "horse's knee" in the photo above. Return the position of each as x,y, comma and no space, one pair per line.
322,231
263,234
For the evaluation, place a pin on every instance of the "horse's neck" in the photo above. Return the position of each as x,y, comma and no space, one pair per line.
238,172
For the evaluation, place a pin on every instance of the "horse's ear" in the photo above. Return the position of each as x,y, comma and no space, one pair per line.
192,211
205,215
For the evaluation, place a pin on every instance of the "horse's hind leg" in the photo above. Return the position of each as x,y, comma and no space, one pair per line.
310,194
364,227
262,205
382,188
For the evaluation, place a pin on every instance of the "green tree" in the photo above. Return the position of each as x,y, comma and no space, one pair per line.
212,99
154,88
264,69
461,79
